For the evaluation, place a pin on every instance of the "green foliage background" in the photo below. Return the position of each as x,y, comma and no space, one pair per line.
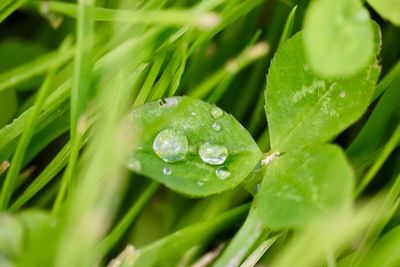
311,98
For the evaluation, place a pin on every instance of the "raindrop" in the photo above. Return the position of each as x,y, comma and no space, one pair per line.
213,154
222,173
134,165
216,126
167,171
268,159
216,112
257,188
200,182
170,145
193,113
342,94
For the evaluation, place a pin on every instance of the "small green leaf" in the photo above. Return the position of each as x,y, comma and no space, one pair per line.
303,108
339,37
191,146
304,184
387,9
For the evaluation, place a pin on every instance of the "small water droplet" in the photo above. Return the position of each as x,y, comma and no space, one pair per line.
134,165
342,94
200,182
168,102
257,188
193,113
268,159
216,126
222,173
170,145
167,171
216,112
213,154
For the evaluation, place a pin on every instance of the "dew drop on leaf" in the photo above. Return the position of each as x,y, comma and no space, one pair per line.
213,154
216,113
216,126
222,172
170,145
167,171
134,165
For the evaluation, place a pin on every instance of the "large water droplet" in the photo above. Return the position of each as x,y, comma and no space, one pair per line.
167,171
170,145
222,173
216,112
216,126
213,154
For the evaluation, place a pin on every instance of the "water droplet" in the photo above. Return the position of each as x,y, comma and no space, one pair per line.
213,154
170,145
257,188
222,172
216,126
134,165
342,94
268,159
167,171
216,112
193,113
200,182
168,102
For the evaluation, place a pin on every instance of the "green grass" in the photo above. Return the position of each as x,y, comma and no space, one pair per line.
82,97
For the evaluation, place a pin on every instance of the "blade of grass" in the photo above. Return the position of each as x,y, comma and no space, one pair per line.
9,7
8,186
288,28
82,76
52,169
150,79
222,87
34,68
167,17
259,252
387,81
251,231
111,240
388,149
248,56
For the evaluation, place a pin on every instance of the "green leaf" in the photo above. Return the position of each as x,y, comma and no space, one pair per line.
339,37
387,9
11,236
304,184
191,119
303,108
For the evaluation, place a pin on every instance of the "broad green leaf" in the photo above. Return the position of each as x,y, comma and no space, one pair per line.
387,9
339,37
11,236
199,136
304,184
303,108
